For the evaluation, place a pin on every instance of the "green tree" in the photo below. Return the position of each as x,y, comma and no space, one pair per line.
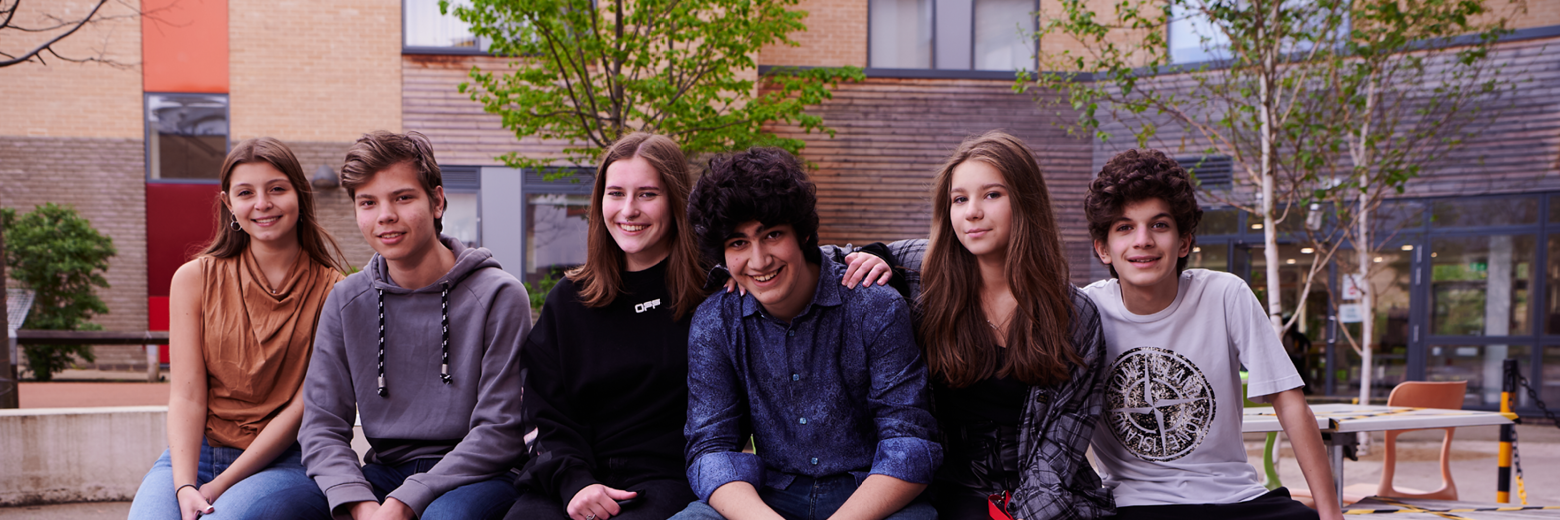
56,253
1316,101
1395,109
1244,103
587,72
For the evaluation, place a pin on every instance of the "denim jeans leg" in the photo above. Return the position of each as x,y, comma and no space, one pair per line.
698,511
280,490
155,499
383,479
920,509
488,499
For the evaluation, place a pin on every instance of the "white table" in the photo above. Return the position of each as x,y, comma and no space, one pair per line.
1342,422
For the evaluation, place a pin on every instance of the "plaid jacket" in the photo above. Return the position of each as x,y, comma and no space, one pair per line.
1056,480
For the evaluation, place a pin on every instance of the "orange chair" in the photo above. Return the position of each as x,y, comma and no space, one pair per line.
1423,394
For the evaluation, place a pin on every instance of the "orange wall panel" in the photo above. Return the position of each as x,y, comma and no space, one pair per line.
184,46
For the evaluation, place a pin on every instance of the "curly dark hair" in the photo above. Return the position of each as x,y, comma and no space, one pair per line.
763,184
1136,175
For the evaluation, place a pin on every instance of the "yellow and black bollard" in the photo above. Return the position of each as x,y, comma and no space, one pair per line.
1508,432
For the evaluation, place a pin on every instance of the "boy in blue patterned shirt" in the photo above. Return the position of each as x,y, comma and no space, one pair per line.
828,382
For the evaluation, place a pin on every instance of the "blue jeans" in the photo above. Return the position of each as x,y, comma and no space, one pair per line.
812,499
280,490
488,499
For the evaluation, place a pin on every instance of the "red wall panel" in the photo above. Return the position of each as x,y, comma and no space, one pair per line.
180,218
184,46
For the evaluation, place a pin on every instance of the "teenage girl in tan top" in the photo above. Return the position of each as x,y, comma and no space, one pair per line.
242,319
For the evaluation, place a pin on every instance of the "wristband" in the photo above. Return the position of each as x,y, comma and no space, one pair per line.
181,488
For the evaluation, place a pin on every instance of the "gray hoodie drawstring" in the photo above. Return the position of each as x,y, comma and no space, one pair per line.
383,392
444,337
444,323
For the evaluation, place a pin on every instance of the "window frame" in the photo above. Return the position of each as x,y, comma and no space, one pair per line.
582,182
478,50
932,72
147,130
463,179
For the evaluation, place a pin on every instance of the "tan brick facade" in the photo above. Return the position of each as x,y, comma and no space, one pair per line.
314,71
836,36
65,99
332,207
105,181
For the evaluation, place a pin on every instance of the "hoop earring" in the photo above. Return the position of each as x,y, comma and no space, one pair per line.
235,226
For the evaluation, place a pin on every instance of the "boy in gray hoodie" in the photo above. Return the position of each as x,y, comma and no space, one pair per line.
423,345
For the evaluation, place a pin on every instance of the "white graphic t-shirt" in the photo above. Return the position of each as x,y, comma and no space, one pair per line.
1170,431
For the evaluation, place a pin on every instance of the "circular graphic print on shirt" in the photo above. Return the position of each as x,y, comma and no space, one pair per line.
1158,404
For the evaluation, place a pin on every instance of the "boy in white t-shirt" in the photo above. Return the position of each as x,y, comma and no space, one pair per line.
1169,441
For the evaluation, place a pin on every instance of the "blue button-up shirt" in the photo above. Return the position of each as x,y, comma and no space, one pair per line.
840,389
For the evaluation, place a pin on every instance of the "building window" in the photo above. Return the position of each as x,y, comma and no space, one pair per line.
186,136
952,34
463,207
426,30
1194,38
555,222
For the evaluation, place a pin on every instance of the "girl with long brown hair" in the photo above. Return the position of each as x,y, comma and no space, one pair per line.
242,316
607,363
1014,350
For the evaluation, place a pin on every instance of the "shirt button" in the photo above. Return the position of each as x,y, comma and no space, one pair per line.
802,420
796,377
815,461
790,333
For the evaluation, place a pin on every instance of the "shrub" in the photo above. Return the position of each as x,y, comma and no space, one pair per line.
56,253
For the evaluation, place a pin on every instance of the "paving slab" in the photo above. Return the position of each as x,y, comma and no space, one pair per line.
79,511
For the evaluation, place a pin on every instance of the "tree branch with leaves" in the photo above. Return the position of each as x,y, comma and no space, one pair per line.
1267,56
1415,80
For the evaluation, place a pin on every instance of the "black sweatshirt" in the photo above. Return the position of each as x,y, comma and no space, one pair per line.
606,383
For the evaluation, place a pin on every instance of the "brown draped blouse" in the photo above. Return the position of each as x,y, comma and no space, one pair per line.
256,341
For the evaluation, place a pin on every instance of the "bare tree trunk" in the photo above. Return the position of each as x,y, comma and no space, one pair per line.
1269,229
1364,244
1367,308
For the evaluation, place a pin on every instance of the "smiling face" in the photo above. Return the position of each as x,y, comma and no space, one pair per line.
635,209
768,263
396,216
1143,246
263,202
980,209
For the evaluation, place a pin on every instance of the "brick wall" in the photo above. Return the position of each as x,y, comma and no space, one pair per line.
836,36
332,207
462,133
105,181
50,100
305,71
892,134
